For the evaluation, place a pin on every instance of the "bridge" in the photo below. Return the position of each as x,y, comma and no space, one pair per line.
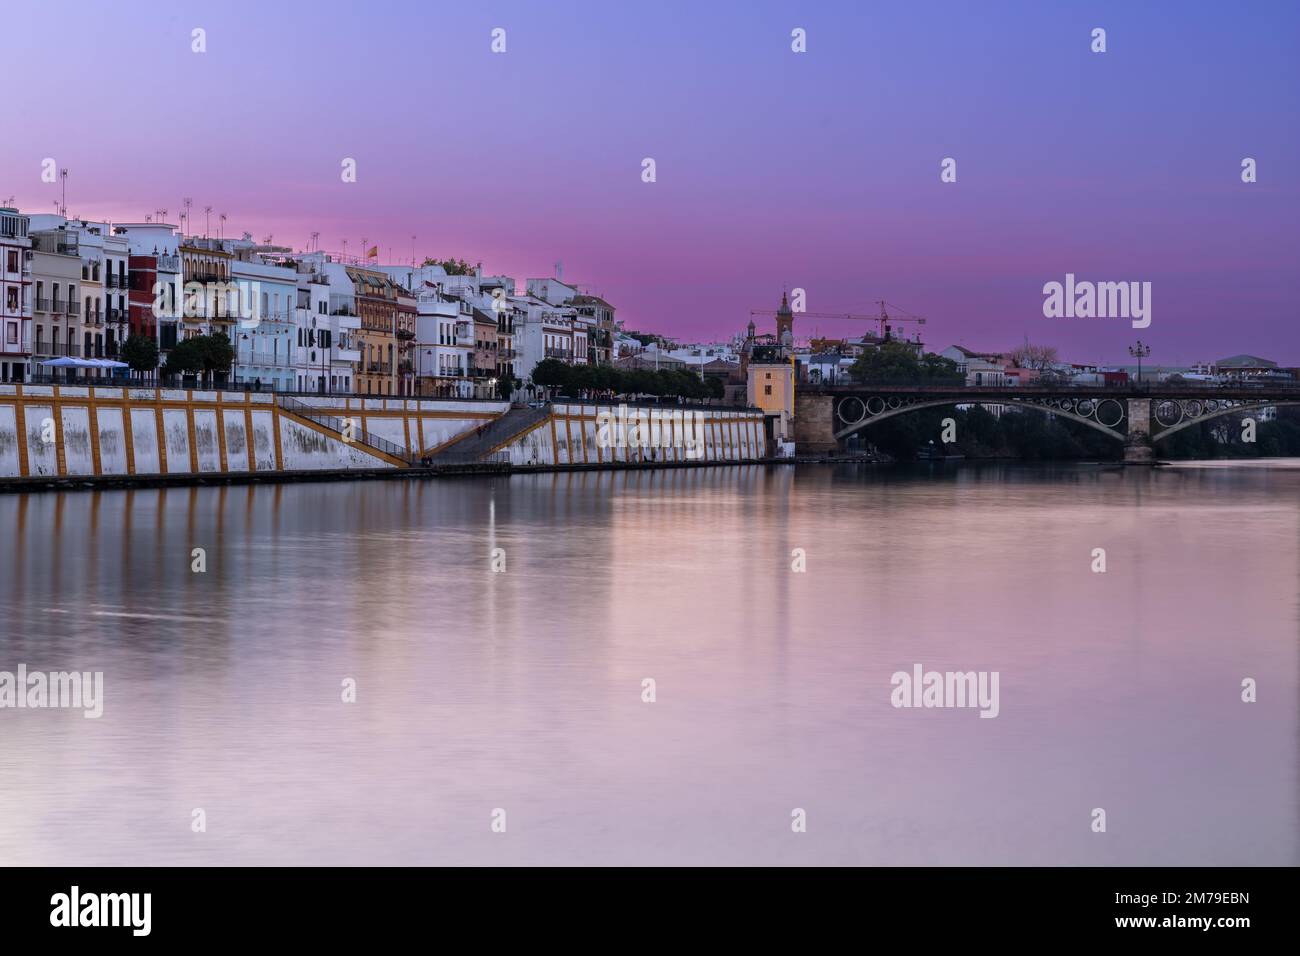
1137,416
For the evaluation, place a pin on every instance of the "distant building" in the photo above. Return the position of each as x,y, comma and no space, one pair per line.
1252,368
979,368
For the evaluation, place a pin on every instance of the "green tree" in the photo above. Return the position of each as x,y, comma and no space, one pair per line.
551,373
201,355
896,361
506,384
453,267
140,352
218,354
185,358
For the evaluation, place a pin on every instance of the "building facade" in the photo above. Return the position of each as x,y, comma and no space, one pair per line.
15,296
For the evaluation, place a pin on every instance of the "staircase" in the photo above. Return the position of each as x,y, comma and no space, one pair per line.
348,431
476,447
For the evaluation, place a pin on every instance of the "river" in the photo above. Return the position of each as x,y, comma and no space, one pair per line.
522,690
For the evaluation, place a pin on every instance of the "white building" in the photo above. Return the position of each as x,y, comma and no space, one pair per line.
264,335
105,284
980,368
545,331
15,296
324,351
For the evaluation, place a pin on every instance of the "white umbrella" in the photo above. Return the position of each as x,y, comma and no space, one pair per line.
63,362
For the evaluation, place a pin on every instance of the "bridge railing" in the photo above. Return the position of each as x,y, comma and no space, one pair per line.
1032,388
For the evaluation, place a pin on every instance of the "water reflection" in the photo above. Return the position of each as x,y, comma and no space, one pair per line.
522,689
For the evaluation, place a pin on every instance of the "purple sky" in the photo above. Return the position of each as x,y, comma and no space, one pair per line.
816,170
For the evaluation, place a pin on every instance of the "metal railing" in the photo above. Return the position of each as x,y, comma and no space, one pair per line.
58,349
344,426
453,457
1048,388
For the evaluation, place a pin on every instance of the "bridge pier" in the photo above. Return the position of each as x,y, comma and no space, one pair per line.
814,423
1138,449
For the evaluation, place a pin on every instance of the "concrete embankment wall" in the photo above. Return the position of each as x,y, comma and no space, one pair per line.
56,431
569,436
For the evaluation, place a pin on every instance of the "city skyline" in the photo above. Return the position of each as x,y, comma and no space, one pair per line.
774,169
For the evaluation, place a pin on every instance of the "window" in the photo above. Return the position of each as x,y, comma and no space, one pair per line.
767,389
13,261
11,333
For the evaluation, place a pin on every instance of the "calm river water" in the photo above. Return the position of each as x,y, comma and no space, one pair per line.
522,690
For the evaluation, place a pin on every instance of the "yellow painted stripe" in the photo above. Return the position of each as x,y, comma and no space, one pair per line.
20,421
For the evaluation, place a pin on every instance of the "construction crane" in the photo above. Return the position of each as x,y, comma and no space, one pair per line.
885,321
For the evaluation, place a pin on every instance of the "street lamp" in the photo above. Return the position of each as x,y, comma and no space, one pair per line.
1139,351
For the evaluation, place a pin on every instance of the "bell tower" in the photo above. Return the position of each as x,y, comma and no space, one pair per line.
785,323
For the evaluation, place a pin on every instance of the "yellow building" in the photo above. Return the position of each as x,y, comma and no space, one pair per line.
376,299
770,386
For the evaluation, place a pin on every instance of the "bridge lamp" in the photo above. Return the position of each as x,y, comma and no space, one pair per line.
1139,351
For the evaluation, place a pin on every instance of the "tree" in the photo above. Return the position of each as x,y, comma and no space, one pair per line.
140,353
201,355
453,267
896,361
506,384
1037,357
218,354
551,373
185,358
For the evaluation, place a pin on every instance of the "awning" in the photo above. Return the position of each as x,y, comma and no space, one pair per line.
65,362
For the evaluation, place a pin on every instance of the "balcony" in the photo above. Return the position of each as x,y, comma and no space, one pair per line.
346,355
58,349
115,315
262,359
74,308
564,355
43,305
